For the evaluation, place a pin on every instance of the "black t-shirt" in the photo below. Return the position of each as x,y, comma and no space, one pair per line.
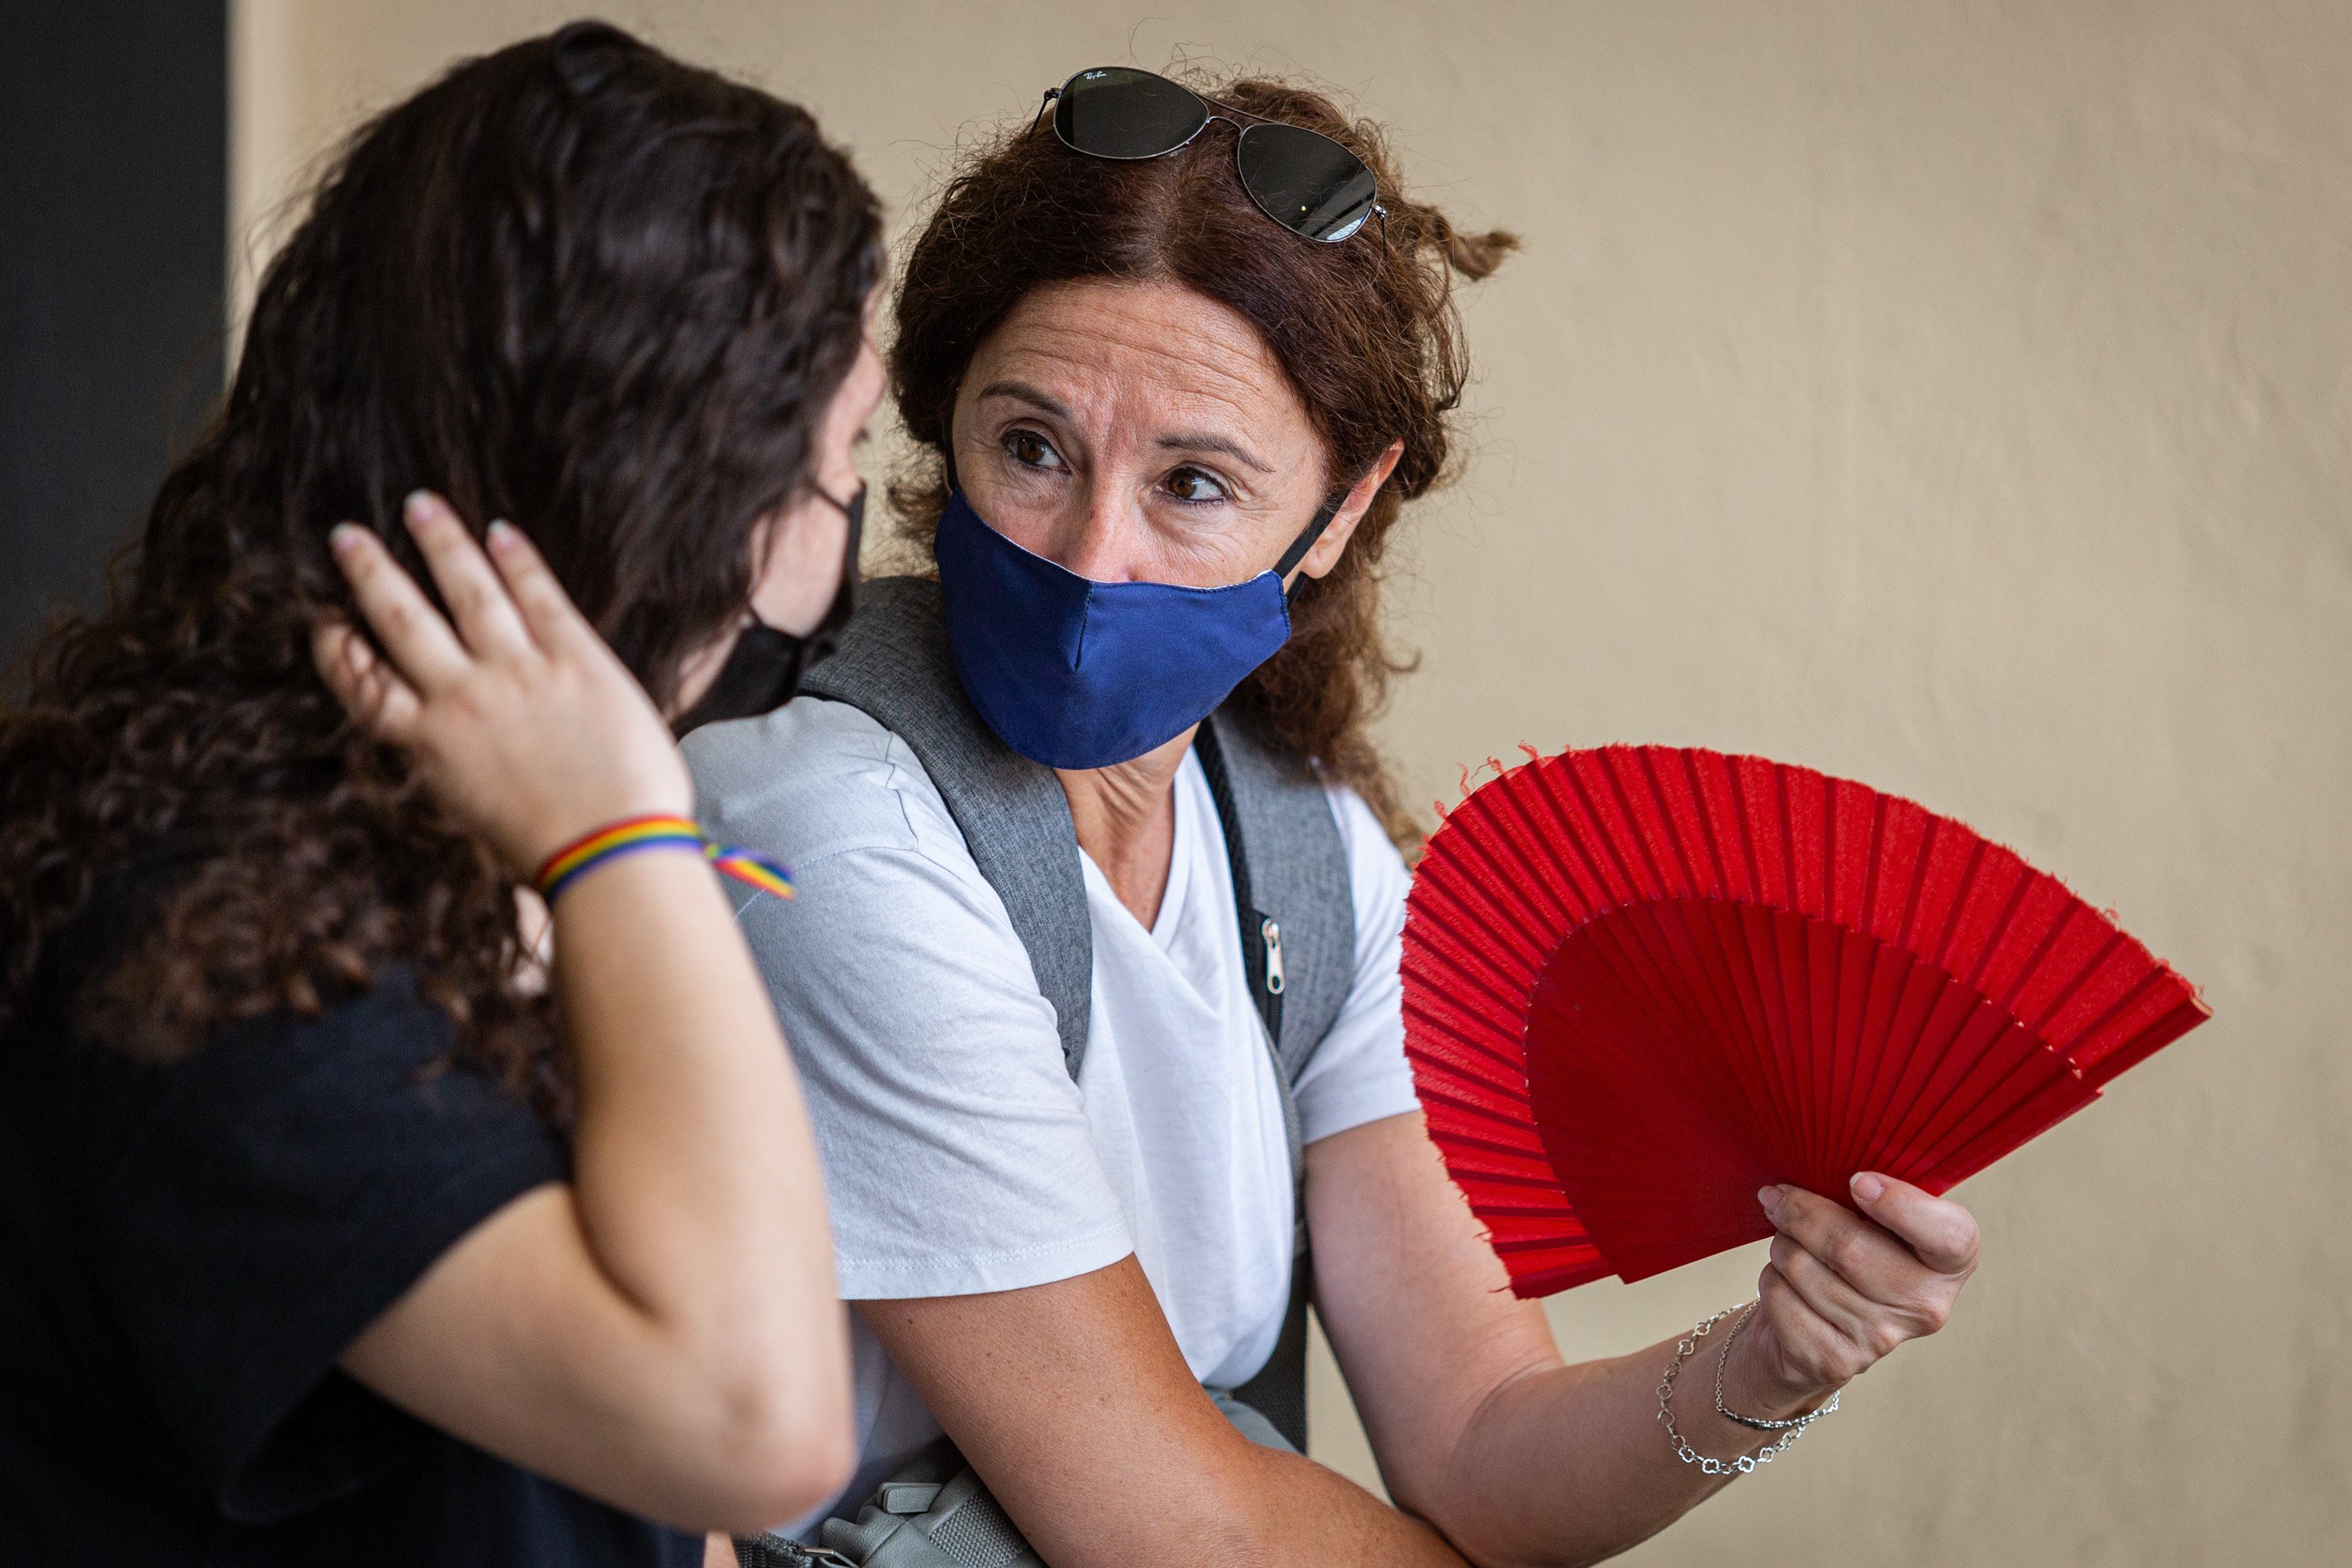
186,1249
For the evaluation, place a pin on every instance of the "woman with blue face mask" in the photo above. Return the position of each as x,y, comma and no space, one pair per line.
1094,978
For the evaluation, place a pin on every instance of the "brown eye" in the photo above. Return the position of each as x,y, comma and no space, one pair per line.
1032,450
1195,485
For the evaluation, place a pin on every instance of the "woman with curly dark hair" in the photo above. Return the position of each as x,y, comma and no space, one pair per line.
354,1208
1098,816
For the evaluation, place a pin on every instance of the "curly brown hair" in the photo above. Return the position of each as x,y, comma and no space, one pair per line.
1366,330
576,284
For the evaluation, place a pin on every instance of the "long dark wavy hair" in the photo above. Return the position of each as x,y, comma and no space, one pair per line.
1366,330
576,284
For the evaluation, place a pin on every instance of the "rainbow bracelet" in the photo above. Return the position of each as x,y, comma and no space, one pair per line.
569,864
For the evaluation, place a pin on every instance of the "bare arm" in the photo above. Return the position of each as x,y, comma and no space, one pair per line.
661,1330
1067,1395
1074,1406
1519,1459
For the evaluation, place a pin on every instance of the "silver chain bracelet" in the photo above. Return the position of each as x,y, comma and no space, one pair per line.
1758,1423
1744,1464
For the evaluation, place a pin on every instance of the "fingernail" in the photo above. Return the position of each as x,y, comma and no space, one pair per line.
501,535
1770,1198
344,537
418,505
1868,1185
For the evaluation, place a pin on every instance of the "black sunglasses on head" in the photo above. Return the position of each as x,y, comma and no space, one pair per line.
1301,179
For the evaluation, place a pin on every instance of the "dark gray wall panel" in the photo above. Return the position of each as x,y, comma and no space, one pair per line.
113,210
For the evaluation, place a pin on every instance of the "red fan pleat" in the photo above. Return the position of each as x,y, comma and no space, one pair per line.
1640,982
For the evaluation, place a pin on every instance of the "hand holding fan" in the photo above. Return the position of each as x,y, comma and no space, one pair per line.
1641,983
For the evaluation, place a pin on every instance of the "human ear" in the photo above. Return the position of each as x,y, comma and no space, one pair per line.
1326,551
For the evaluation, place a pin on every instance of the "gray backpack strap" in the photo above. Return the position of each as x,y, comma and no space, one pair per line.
892,664
1298,916
1297,866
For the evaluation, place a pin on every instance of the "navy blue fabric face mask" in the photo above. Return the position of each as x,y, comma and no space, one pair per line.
1078,674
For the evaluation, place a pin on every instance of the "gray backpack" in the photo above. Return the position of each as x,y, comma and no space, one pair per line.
1296,918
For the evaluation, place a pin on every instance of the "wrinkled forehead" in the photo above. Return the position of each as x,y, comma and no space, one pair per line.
1131,361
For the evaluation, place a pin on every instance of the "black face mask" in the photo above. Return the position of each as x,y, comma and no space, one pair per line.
763,669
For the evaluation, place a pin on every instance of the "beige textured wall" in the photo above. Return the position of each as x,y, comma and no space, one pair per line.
1954,395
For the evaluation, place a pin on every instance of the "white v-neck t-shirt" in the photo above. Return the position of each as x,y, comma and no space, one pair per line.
959,1156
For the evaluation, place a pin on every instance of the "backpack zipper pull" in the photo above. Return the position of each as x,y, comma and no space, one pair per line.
1271,931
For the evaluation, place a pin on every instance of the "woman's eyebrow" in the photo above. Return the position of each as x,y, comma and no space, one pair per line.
1021,392
1178,441
1202,441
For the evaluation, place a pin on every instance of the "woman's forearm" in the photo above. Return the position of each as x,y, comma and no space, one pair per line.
1302,1512
698,1182
1480,1430
1569,1465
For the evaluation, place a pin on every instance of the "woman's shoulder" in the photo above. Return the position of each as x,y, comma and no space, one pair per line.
816,779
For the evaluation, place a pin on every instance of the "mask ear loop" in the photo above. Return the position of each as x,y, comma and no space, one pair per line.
748,678
838,614
1306,540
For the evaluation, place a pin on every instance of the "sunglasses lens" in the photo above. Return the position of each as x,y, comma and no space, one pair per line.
1306,182
1114,112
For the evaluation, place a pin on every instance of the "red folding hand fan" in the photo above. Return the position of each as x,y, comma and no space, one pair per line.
1641,983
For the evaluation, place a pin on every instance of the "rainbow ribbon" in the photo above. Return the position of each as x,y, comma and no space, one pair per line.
575,860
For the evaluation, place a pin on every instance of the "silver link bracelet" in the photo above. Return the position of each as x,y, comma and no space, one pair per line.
1744,1464
1758,1423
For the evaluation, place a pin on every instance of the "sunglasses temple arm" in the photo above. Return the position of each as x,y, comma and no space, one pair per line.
1051,94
